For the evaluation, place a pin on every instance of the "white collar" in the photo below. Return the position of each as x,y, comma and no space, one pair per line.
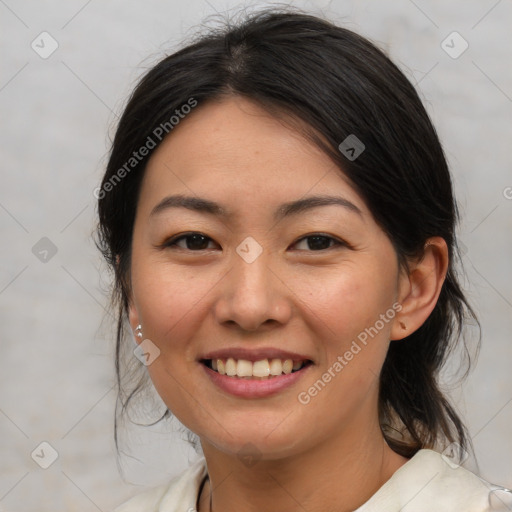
425,483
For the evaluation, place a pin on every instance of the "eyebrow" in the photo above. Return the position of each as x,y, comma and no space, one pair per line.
202,205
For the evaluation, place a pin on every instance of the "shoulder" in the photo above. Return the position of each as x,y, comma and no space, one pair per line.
179,494
430,481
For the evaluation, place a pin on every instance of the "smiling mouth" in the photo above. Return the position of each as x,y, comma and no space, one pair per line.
264,369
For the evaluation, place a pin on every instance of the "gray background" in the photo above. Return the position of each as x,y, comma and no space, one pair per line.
56,371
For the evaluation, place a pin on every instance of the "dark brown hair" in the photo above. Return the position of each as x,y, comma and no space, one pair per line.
338,84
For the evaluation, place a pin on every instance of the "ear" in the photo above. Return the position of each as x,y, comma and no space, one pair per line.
133,316
419,288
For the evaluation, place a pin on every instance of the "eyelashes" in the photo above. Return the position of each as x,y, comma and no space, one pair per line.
317,241
195,238
196,242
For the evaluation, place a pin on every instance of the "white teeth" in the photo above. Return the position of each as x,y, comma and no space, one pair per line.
261,368
264,368
244,368
276,367
231,367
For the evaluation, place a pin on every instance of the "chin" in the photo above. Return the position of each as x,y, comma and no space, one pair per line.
247,440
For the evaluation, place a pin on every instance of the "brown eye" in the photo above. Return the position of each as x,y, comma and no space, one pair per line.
318,242
191,242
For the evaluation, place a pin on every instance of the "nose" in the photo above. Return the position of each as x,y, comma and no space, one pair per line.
252,295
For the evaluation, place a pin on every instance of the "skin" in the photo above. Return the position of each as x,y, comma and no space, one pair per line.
314,302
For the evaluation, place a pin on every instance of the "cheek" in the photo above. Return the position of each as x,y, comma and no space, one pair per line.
343,311
346,311
172,303
169,299
346,302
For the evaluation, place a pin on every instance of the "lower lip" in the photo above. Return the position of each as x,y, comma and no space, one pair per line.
254,388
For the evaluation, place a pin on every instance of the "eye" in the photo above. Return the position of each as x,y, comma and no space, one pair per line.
190,242
199,242
318,242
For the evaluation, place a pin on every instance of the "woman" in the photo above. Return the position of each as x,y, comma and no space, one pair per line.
280,219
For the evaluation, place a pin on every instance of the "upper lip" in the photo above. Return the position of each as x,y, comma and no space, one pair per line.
254,354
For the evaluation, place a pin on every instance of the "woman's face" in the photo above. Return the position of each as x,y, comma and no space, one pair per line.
269,274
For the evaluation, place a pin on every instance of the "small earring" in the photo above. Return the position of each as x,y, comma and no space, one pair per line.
138,331
403,326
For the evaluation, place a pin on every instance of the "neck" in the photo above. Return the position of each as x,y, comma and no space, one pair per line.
340,473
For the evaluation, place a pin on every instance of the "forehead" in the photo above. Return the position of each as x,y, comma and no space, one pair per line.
237,152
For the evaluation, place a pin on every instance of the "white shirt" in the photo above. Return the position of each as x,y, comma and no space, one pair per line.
425,483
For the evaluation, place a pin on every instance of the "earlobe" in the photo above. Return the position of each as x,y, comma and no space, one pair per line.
420,288
133,316
134,323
